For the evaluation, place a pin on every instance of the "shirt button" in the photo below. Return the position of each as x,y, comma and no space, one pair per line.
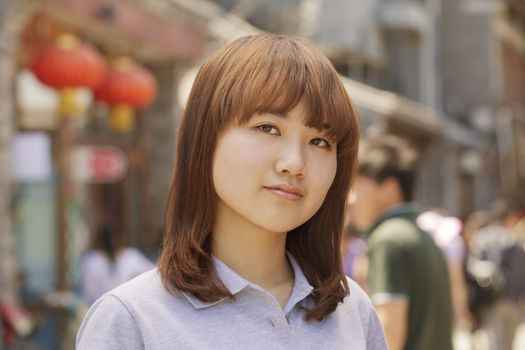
271,322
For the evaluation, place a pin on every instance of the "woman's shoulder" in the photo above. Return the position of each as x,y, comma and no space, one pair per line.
144,291
145,287
357,296
357,305
132,310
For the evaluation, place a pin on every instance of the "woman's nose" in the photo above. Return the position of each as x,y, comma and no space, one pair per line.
291,161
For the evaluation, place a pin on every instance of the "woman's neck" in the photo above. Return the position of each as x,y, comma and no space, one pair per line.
252,252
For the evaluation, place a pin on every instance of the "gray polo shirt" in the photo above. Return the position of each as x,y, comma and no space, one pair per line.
141,314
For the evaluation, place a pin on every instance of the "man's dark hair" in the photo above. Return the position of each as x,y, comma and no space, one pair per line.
388,156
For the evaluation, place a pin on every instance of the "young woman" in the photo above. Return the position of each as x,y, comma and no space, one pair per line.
251,254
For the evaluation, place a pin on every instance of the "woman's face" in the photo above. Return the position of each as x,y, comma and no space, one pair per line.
273,172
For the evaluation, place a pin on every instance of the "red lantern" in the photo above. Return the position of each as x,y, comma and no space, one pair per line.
128,86
68,64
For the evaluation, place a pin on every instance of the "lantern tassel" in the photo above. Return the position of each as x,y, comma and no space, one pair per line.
68,106
122,119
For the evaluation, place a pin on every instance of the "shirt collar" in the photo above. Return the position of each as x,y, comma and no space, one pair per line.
301,287
235,283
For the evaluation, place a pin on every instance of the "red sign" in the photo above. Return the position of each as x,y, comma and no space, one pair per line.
98,164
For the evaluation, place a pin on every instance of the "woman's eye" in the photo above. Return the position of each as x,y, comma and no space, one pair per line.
320,143
269,129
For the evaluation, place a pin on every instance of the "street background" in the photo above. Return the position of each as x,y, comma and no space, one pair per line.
79,150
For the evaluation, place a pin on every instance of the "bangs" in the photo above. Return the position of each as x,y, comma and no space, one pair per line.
273,75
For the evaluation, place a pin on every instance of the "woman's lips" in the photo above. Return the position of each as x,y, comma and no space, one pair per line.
281,193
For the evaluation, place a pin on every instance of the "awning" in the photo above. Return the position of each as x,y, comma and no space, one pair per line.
392,106
140,31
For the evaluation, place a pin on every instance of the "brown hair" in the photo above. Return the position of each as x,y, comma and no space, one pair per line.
258,74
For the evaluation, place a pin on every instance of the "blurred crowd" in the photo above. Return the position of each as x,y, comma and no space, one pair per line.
484,255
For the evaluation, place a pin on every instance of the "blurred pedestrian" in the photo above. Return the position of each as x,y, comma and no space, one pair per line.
474,221
518,231
496,245
251,254
446,231
109,263
407,273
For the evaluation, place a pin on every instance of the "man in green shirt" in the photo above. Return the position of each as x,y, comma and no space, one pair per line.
407,273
